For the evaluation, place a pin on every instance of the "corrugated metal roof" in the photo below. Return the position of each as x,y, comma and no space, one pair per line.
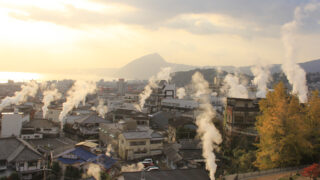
88,144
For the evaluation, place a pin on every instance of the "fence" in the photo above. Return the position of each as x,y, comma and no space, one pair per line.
262,173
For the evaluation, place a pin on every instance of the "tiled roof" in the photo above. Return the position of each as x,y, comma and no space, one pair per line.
15,149
185,174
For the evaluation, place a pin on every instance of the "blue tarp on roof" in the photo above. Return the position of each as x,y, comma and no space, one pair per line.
70,161
105,161
82,156
86,156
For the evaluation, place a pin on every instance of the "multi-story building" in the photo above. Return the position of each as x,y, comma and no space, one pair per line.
122,86
139,144
11,123
240,116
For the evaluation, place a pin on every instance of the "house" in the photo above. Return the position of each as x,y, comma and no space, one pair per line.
138,144
186,153
18,155
185,174
85,126
81,158
42,127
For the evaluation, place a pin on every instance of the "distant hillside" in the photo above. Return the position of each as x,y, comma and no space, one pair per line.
146,66
309,66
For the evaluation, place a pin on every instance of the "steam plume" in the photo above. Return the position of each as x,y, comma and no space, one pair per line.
234,87
94,170
49,96
181,92
132,168
109,150
28,90
261,78
164,74
210,136
295,74
76,94
101,108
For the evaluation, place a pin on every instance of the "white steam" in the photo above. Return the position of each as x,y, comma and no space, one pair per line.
94,170
261,79
109,150
48,97
164,74
210,136
234,88
28,90
295,74
101,109
132,168
181,93
76,94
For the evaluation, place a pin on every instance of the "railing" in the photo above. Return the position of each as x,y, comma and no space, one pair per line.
263,173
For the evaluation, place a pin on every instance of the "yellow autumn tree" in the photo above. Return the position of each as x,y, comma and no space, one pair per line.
313,124
281,130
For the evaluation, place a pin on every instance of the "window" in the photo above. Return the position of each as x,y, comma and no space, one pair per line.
3,163
21,164
137,143
32,163
155,141
141,151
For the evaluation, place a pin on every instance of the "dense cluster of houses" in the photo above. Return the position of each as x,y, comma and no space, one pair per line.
165,130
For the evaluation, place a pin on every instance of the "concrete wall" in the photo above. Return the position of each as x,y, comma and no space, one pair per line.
11,124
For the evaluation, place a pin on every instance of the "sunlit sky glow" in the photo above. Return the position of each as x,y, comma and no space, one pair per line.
45,36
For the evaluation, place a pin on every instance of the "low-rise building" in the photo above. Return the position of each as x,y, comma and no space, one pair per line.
138,144
18,155
185,174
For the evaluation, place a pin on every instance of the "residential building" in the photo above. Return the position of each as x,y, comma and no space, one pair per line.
11,123
185,174
18,155
139,144
85,126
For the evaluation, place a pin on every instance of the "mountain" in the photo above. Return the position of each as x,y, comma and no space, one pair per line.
148,65
311,66
144,67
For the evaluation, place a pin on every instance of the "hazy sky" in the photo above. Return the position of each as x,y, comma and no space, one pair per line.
39,35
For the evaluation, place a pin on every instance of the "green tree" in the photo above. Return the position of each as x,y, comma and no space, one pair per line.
282,130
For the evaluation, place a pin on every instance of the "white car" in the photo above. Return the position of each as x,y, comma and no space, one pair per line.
147,161
151,168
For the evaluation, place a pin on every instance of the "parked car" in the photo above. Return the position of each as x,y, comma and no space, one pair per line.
147,162
151,168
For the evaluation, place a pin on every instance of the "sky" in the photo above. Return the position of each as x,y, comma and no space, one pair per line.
58,35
